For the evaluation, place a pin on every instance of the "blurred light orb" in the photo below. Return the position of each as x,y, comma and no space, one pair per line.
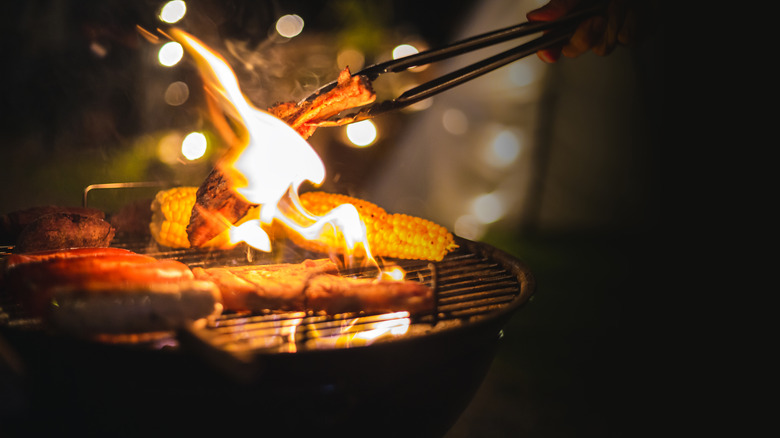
454,121
170,53
469,227
362,133
98,49
403,50
289,26
173,11
169,148
488,208
177,93
194,146
504,149
350,57
522,73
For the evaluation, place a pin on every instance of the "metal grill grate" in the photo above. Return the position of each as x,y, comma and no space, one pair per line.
469,284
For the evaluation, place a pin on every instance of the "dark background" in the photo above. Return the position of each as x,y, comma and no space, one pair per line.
571,363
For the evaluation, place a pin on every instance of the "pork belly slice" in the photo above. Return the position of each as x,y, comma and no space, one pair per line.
312,285
335,294
265,287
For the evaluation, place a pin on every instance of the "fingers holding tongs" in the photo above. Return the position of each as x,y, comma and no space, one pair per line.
554,33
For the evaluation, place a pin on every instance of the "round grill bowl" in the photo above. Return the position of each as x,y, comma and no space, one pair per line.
415,385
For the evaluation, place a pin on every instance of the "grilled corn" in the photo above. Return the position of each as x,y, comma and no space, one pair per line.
389,235
171,211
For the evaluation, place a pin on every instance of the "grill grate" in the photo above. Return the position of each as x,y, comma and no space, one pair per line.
469,284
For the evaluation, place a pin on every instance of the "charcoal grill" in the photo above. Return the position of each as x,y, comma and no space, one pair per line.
295,372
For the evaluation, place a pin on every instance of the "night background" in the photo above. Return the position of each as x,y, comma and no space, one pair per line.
558,165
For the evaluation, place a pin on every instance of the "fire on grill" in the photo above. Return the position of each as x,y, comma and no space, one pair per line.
76,282
244,268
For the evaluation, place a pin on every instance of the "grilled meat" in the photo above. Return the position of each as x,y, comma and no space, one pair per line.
11,224
108,290
64,230
218,206
263,287
131,307
334,294
42,256
312,285
350,92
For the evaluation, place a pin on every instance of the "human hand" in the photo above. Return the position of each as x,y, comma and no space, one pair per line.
601,33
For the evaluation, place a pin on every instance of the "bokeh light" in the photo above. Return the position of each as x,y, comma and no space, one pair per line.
404,50
350,57
289,26
362,134
177,93
503,150
488,208
469,227
194,146
522,73
454,121
173,11
170,53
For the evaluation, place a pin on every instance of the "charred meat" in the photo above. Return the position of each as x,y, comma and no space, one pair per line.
218,206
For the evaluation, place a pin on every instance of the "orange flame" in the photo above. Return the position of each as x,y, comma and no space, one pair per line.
362,331
271,161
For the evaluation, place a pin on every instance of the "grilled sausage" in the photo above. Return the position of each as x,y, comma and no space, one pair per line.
108,290
57,254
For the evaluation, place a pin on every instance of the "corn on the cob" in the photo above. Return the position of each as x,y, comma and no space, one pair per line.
171,211
389,235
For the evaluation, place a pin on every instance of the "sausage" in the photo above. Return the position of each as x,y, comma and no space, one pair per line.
131,308
52,254
31,278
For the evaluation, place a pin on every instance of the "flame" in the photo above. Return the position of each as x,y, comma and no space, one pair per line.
269,162
361,331
394,273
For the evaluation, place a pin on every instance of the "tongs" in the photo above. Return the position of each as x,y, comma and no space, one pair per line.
554,33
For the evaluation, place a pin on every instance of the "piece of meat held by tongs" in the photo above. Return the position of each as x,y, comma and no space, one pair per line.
217,205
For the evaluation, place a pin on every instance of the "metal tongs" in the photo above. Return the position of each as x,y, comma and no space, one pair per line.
556,32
